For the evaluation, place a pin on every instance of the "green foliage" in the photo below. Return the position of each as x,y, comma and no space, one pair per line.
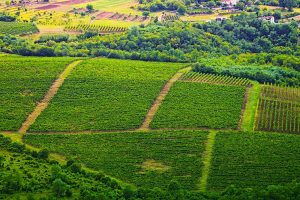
55,38
25,175
242,159
17,28
6,18
110,95
144,159
194,105
252,34
258,71
24,81
60,188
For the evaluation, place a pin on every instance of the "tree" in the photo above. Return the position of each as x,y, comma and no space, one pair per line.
146,13
90,8
59,187
288,4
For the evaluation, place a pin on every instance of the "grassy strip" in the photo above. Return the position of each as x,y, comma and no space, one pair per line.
250,109
207,160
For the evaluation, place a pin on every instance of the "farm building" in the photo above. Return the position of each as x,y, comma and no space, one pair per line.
268,18
229,2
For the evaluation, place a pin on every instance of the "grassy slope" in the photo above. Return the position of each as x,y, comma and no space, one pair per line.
24,81
105,94
192,105
254,160
144,159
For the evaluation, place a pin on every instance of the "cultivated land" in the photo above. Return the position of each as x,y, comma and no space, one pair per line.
82,98
195,105
254,160
105,94
17,28
149,159
24,81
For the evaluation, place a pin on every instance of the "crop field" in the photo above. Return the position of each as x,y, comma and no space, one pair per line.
143,159
17,28
214,79
195,105
279,109
24,81
254,160
94,28
105,94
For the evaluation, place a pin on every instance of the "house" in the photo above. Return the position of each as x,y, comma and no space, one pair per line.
268,18
229,3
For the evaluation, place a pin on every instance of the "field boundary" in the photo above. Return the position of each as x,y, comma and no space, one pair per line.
43,104
162,95
243,109
207,156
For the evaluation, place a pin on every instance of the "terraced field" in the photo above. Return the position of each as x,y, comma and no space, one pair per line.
254,160
105,94
24,81
196,105
145,159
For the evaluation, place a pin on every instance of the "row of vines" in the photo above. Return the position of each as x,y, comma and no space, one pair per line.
96,28
278,109
215,79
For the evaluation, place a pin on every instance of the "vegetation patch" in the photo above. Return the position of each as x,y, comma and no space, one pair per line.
254,160
17,28
126,155
196,105
153,165
24,82
105,94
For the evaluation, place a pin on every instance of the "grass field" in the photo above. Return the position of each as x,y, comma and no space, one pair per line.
254,160
144,159
17,28
194,105
105,94
24,81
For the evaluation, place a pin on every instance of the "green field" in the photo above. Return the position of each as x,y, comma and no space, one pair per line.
17,28
254,160
24,81
144,159
105,94
194,105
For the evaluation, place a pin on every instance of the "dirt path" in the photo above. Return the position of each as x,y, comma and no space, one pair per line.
163,93
42,105
207,160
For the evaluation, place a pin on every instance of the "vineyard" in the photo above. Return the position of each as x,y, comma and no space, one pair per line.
17,28
215,79
143,159
96,28
278,109
105,94
24,82
195,105
169,17
242,159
